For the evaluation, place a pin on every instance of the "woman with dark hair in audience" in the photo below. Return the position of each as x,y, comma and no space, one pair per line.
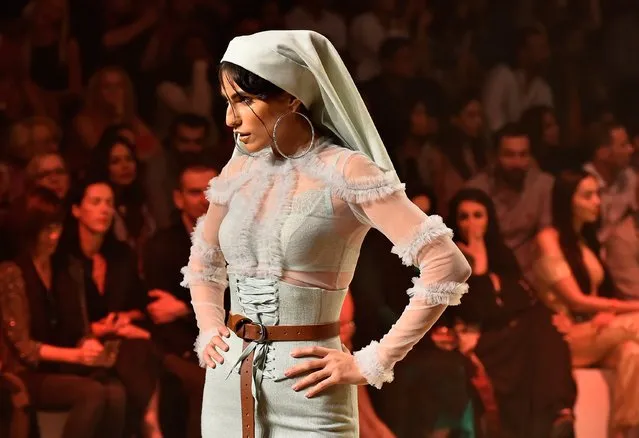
103,272
460,151
524,356
600,331
114,160
540,123
32,345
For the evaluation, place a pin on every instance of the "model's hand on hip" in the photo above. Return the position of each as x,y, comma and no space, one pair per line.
211,356
330,367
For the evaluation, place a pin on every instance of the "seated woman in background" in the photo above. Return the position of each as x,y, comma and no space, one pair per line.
114,160
103,272
31,345
524,356
600,331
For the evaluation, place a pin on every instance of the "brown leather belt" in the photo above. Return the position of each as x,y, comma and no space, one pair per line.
250,331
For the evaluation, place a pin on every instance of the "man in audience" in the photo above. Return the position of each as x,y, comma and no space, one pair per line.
187,137
521,193
610,154
165,254
510,90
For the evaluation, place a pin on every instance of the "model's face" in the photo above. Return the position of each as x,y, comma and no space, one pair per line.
472,220
52,174
122,166
253,119
95,211
586,202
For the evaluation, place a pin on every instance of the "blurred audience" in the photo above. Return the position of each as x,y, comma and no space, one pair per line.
574,284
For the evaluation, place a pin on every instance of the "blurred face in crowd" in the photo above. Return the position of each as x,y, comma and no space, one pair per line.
536,53
122,166
48,12
550,129
586,201
48,238
189,139
189,198
52,174
470,119
421,123
472,220
113,89
95,211
29,140
402,64
513,160
618,153
423,202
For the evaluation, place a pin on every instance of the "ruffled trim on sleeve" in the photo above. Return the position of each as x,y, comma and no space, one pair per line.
368,189
448,293
221,189
201,342
374,372
358,190
432,229
206,263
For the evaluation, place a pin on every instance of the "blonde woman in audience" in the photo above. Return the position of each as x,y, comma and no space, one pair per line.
48,170
110,100
600,331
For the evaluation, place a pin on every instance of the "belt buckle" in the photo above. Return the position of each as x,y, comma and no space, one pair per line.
262,328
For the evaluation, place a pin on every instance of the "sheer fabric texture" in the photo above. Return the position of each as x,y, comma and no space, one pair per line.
303,221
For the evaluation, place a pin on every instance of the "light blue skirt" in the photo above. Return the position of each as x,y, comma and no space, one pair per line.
280,411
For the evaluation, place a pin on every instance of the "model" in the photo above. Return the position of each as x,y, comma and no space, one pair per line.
287,216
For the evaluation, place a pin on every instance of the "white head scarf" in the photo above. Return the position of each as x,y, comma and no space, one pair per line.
306,65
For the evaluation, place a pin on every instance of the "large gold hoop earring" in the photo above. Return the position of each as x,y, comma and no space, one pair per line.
310,144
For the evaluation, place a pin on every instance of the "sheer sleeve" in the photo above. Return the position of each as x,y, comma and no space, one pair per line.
205,275
420,240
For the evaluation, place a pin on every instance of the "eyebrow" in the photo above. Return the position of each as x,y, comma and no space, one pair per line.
234,95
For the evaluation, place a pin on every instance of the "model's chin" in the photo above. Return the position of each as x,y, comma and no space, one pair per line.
252,146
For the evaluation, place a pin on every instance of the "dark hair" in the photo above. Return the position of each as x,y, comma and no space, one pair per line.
36,210
391,46
532,121
508,131
501,260
564,189
248,81
190,120
196,163
521,36
131,196
600,136
70,239
462,101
